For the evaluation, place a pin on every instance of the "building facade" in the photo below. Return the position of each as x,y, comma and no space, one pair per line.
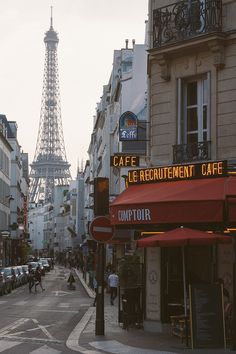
5,198
191,105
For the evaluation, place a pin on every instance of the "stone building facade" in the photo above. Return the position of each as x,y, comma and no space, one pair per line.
192,81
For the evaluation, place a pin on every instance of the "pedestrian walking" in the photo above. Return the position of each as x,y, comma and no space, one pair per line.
31,278
71,280
95,286
38,279
113,281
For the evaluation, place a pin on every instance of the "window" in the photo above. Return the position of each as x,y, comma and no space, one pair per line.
197,15
193,131
194,110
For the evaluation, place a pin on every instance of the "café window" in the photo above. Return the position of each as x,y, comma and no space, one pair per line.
193,135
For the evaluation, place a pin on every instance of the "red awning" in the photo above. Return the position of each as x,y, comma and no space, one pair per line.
189,201
183,237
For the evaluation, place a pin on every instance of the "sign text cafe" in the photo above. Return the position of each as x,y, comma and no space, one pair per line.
146,212
178,172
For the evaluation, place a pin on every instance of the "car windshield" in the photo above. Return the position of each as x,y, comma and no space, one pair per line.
45,262
33,264
7,271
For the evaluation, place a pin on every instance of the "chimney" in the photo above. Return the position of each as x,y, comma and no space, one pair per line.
133,42
126,43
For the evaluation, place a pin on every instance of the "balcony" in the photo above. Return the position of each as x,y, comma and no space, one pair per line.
186,19
191,152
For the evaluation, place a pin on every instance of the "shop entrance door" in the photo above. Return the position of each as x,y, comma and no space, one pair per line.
199,269
131,297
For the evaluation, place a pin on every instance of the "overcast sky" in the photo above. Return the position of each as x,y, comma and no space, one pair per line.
89,31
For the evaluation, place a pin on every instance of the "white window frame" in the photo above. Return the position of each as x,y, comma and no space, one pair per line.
182,108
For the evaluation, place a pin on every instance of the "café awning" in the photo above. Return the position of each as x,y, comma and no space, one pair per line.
183,236
190,201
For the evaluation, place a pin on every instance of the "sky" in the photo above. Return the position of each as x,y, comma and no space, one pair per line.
89,32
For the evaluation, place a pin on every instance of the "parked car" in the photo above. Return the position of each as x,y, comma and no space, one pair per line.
23,278
42,269
10,276
25,268
33,265
50,262
45,264
16,273
2,282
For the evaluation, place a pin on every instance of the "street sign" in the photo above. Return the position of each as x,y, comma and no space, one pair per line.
101,229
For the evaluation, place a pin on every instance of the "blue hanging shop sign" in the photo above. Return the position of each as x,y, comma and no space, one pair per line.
128,126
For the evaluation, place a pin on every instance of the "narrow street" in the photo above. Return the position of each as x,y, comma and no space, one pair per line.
40,323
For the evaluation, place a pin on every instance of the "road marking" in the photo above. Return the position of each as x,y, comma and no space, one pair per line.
13,325
84,305
64,304
36,339
60,293
43,303
63,311
5,345
114,347
43,329
45,350
20,303
32,329
6,332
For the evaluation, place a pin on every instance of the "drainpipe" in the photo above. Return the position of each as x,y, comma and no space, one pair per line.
148,43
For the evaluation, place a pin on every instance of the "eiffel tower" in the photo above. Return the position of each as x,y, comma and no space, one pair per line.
49,167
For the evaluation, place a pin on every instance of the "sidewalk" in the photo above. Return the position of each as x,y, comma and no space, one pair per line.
116,340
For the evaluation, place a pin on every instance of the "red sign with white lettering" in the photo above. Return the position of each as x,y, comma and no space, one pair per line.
101,229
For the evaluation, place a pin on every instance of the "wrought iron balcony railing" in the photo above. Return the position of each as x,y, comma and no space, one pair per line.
191,152
186,19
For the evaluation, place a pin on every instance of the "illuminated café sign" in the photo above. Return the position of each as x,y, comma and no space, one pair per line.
124,161
178,172
128,126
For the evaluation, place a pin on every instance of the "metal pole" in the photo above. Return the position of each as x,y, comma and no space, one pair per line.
99,329
184,281
233,332
185,295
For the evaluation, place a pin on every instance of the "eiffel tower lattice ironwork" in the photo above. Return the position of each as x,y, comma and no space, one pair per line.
50,166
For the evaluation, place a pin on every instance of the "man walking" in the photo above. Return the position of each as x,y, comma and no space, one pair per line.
38,280
113,281
31,278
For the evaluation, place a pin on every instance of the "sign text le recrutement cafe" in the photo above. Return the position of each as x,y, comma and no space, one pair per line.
177,172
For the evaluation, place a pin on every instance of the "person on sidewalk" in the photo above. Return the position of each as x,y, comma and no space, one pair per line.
95,287
113,281
38,279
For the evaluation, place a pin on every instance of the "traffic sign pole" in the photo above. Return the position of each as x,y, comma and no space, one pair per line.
101,231
99,325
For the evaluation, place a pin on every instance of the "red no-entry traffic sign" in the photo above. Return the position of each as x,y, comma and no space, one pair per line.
101,229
